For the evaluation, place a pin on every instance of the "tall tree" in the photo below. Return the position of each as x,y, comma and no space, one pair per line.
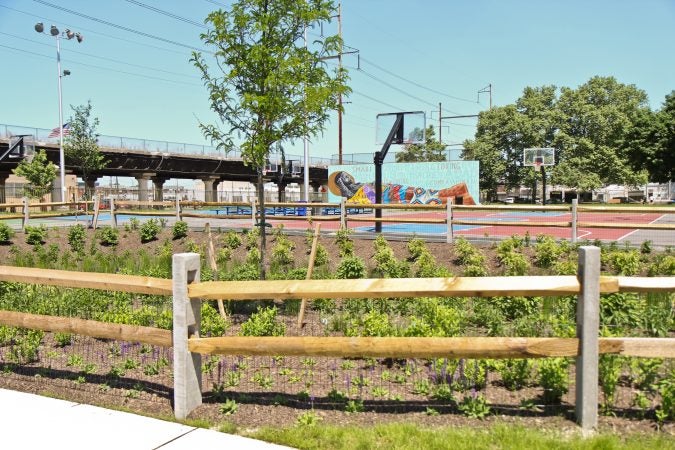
587,126
81,145
39,172
266,87
431,150
650,144
596,119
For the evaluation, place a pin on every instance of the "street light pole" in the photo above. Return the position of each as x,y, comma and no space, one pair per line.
62,159
39,27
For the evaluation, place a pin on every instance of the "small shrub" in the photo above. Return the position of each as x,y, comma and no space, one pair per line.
344,242
646,247
213,324
179,230
149,230
554,379
252,236
351,267
371,324
515,373
546,251
76,238
416,247
263,323
231,240
625,263
134,224
229,407
36,235
6,233
609,372
109,236
474,406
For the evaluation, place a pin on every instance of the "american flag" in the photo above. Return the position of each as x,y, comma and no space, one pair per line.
56,132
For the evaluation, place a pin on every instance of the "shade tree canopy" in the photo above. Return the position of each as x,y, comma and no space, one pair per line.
590,127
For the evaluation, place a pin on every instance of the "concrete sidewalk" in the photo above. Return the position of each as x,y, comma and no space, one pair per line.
32,421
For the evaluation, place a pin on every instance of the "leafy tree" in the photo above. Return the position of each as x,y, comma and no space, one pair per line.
266,87
597,117
587,126
650,144
431,150
81,145
39,172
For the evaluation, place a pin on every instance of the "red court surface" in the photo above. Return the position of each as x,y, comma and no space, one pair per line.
489,230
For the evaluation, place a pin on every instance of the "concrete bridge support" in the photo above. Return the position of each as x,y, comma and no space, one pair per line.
210,186
143,186
158,188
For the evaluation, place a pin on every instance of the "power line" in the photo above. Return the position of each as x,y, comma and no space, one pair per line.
395,108
421,86
88,30
215,3
121,27
155,69
167,13
70,61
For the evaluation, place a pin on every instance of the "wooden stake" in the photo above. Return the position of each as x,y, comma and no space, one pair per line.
310,269
211,255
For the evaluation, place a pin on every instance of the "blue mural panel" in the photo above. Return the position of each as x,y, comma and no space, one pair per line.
413,183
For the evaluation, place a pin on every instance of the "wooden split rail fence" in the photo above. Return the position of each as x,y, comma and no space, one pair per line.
188,293
342,212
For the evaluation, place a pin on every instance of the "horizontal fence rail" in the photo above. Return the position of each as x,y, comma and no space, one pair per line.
188,293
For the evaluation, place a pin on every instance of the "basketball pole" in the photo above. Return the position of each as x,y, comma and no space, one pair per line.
396,133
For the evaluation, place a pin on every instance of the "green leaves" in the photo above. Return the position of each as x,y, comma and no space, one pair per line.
39,173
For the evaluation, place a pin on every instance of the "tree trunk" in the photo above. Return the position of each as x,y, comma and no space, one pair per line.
262,224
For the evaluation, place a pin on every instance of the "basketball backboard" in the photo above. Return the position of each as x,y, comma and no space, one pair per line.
414,126
537,157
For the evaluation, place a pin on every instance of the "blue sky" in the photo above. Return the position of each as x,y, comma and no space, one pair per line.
414,54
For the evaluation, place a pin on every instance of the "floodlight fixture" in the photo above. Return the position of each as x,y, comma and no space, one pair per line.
39,27
54,31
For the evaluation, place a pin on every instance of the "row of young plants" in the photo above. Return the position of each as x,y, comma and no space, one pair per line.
621,314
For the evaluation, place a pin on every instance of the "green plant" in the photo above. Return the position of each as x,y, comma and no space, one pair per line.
646,247
231,240
134,223
179,229
149,230
666,389
263,323
109,236
625,262
229,407
63,339
372,323
6,233
546,251
213,324
474,406
515,373
252,236
308,419
36,235
351,267
554,379
609,371
75,360
76,237
344,242
354,406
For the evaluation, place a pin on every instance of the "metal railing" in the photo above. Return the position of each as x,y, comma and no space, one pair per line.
41,135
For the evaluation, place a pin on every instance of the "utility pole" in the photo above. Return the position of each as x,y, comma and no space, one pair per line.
488,89
340,94
440,130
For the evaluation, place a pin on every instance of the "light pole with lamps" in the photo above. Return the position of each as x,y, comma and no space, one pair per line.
68,34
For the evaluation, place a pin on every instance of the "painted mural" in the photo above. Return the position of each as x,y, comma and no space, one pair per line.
425,183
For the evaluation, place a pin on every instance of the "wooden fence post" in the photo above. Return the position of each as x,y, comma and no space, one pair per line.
178,211
588,320
26,213
113,219
187,367
575,218
97,207
448,218
343,213
253,214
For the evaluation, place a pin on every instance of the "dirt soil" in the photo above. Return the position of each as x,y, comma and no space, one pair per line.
141,390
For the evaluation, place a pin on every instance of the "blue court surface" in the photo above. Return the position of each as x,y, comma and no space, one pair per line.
418,228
